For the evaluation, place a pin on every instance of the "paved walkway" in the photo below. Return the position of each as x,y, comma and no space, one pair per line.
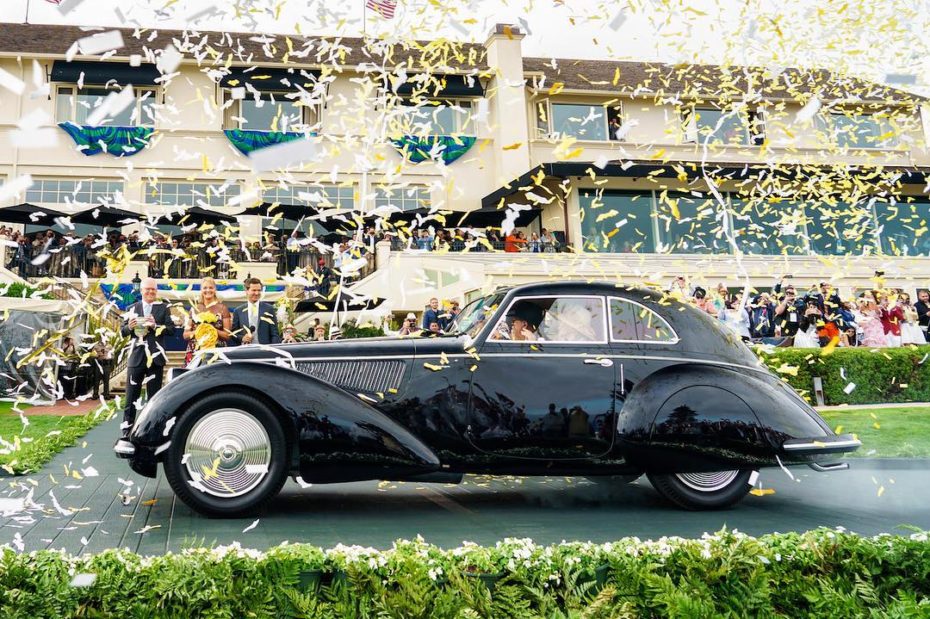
63,408
109,506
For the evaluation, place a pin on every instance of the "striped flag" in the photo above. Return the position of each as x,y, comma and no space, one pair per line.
384,8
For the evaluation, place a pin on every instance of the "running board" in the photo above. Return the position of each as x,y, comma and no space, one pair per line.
438,477
826,468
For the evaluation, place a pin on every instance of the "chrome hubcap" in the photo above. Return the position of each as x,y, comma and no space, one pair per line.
707,482
227,453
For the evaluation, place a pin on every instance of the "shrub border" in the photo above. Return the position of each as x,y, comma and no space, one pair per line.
819,573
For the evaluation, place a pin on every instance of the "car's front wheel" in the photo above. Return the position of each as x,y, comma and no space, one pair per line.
228,456
714,490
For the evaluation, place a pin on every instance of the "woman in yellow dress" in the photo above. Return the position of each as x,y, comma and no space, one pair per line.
209,321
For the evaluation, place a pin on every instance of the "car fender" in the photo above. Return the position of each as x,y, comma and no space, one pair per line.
701,417
334,435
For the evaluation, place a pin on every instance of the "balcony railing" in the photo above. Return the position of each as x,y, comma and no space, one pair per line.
169,262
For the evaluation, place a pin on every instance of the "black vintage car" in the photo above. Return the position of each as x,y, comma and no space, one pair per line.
565,378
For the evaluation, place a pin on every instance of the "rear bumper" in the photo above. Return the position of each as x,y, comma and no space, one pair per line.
821,445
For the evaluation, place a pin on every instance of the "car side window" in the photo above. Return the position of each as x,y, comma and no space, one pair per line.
631,322
553,319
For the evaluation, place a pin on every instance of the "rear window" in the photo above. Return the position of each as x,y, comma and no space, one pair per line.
632,322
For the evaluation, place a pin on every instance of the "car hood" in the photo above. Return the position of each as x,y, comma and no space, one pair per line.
351,348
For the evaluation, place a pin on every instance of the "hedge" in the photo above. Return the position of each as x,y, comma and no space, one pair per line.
878,374
822,573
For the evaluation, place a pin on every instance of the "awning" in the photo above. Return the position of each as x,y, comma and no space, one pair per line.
102,72
266,79
198,215
28,214
491,216
107,216
448,86
692,170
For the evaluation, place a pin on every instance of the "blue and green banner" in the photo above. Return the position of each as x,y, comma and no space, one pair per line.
445,148
247,141
117,141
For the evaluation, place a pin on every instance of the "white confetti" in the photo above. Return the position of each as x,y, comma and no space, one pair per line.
807,112
284,155
849,388
114,103
90,472
100,42
251,526
83,580
169,60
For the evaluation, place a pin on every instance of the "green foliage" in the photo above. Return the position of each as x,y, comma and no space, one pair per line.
45,437
351,330
21,290
880,374
822,573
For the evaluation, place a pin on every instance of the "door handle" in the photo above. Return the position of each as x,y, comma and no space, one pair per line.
604,363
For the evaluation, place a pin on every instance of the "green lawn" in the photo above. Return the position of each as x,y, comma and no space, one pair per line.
885,432
49,433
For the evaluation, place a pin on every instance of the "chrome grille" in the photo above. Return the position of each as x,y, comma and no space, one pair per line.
366,376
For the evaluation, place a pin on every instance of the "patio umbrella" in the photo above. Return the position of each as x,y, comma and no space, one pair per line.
492,216
107,216
26,213
200,216
346,303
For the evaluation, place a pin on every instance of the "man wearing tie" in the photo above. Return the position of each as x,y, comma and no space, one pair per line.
147,322
254,322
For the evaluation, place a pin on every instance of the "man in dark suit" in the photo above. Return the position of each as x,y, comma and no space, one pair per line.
254,322
147,322
923,312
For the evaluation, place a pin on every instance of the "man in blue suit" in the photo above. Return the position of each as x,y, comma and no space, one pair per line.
255,322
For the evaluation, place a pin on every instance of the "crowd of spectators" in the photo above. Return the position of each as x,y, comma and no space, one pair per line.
466,239
816,317
189,255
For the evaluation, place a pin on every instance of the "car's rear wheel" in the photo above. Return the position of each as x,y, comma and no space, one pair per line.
228,456
713,490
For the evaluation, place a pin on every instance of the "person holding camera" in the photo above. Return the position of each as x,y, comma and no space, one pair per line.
409,326
789,310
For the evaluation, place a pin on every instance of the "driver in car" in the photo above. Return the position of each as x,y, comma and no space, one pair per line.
524,319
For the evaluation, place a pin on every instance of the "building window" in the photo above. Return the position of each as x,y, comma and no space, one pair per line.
582,121
903,227
431,117
190,194
318,196
724,127
404,198
857,130
769,228
268,111
579,120
59,191
840,229
617,222
690,225
73,104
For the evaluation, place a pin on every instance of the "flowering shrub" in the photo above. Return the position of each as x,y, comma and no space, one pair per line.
822,573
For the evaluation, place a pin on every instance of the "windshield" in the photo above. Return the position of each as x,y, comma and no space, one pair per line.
474,315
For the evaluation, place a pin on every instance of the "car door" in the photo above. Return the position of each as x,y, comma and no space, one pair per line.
551,398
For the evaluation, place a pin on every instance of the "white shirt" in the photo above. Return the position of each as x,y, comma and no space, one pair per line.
253,316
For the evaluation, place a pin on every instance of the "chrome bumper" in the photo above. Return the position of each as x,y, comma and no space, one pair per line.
821,445
124,449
